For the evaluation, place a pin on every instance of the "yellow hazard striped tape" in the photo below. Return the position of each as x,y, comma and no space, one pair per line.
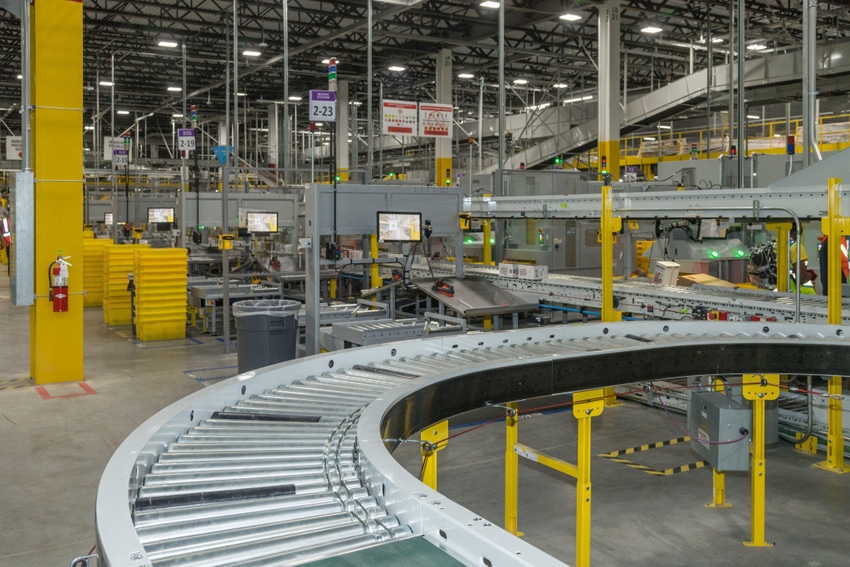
615,456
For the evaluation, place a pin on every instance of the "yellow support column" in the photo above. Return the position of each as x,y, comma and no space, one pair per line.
511,469
56,339
718,477
375,273
758,388
610,225
835,437
586,405
783,266
433,439
488,248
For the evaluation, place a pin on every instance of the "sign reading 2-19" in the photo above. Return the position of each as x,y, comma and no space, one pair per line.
322,106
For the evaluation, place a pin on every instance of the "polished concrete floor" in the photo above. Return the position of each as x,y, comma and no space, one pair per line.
56,440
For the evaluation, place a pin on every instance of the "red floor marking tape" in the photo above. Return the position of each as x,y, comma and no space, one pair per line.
45,395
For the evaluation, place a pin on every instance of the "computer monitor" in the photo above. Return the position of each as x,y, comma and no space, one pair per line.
713,228
107,219
160,214
399,227
261,222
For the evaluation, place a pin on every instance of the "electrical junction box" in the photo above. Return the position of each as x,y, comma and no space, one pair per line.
713,419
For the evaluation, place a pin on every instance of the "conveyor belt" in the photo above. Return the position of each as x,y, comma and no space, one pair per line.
655,301
290,465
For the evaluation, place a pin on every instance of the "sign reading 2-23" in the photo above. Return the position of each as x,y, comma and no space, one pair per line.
322,106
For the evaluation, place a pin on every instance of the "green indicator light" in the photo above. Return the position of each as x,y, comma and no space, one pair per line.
740,253
714,254
492,241
469,241
201,228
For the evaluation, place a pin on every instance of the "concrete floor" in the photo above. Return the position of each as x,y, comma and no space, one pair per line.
55,442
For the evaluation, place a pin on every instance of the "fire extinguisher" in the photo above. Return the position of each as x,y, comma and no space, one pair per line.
59,284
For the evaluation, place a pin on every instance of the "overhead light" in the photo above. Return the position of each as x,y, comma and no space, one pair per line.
20,77
251,53
651,29
717,40
396,68
241,94
105,83
175,89
520,81
560,86
489,4
570,17
664,127
123,112
466,76
587,97
753,117
177,116
294,98
757,47
88,127
167,43
649,138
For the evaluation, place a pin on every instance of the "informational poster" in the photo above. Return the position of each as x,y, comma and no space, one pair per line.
435,120
399,117
116,144
14,147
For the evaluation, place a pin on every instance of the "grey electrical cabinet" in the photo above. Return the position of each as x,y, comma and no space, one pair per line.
715,421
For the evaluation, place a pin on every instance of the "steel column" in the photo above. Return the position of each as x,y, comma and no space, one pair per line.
341,125
609,89
56,339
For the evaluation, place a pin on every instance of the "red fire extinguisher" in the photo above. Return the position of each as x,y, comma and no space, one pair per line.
59,284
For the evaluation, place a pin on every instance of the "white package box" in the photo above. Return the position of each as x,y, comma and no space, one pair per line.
532,272
666,273
508,270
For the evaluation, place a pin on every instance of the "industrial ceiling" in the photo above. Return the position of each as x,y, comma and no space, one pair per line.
541,47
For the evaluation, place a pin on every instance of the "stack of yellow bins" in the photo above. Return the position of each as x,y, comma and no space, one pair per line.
93,254
119,261
160,301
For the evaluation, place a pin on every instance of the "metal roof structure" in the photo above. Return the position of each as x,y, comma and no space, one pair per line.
541,47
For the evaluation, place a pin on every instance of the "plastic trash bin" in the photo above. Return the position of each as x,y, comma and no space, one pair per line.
266,332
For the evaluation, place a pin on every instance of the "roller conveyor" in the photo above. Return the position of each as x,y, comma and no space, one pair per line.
290,465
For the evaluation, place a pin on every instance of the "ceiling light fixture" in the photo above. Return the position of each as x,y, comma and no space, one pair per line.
757,47
123,112
570,17
105,83
241,94
490,4
649,139
396,68
177,116
251,53
560,86
20,77
167,43
175,89
294,98
466,76
651,29
753,117
520,81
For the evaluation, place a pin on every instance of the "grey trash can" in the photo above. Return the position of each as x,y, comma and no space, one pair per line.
266,332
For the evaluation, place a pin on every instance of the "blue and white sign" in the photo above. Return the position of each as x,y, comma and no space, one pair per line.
322,106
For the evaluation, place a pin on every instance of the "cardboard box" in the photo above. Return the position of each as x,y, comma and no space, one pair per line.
666,273
532,272
508,270
704,279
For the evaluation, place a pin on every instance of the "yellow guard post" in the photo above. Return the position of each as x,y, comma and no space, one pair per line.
718,477
835,437
758,388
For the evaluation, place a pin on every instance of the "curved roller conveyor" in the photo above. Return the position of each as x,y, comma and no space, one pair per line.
290,464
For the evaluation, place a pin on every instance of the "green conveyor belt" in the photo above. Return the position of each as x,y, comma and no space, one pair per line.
411,552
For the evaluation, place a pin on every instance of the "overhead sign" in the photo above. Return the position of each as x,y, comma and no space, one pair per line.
435,120
120,158
14,147
399,117
186,138
322,106
111,145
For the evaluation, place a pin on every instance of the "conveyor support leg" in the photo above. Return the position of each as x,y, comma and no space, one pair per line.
758,388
